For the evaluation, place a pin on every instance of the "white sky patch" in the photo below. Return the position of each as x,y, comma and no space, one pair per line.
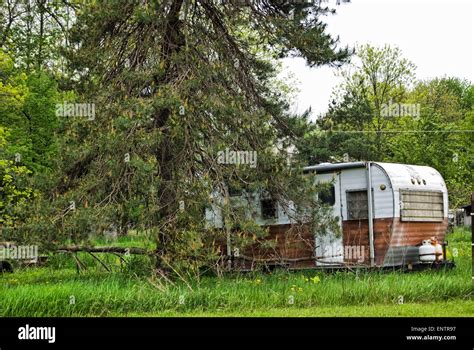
437,36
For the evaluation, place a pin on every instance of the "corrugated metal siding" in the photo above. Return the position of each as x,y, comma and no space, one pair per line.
401,176
398,256
383,199
356,232
213,214
407,236
286,245
351,179
396,242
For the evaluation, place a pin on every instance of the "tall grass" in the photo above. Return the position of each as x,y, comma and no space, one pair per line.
61,291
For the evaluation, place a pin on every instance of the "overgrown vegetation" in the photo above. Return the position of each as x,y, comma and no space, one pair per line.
169,86
173,83
58,290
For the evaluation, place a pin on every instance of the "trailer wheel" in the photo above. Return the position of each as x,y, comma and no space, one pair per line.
5,266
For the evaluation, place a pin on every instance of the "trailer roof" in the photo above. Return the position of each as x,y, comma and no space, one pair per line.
416,177
330,167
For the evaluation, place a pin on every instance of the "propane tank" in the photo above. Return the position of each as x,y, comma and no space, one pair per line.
427,251
438,249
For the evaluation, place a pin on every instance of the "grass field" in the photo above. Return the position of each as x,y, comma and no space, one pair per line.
58,290
461,308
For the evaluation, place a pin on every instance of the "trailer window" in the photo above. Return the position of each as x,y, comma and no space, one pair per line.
421,206
327,195
357,207
269,209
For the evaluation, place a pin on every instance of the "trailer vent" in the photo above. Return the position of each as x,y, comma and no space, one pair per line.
421,206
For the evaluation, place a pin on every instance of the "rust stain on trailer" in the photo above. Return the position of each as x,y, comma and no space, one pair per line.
412,233
288,245
390,233
356,232
294,246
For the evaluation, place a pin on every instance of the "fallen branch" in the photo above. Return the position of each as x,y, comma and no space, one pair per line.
101,262
79,264
116,250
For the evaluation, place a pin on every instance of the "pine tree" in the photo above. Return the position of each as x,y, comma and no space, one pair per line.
173,84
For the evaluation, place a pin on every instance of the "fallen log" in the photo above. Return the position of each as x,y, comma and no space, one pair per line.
116,250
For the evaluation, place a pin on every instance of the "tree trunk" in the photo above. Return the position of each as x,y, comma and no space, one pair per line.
164,154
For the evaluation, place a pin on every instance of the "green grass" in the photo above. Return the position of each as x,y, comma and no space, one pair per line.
48,291
459,234
132,239
461,308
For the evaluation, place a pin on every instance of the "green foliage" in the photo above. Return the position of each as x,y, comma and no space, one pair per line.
27,109
359,126
27,135
441,136
15,192
13,92
34,32
39,108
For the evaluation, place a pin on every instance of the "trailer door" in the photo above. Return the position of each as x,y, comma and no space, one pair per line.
329,248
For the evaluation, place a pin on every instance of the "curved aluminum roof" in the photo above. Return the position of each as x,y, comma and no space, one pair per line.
414,177
401,175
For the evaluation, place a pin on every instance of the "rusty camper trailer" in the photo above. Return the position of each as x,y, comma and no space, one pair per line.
406,207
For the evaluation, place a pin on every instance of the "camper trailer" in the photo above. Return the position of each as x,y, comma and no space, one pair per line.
389,215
